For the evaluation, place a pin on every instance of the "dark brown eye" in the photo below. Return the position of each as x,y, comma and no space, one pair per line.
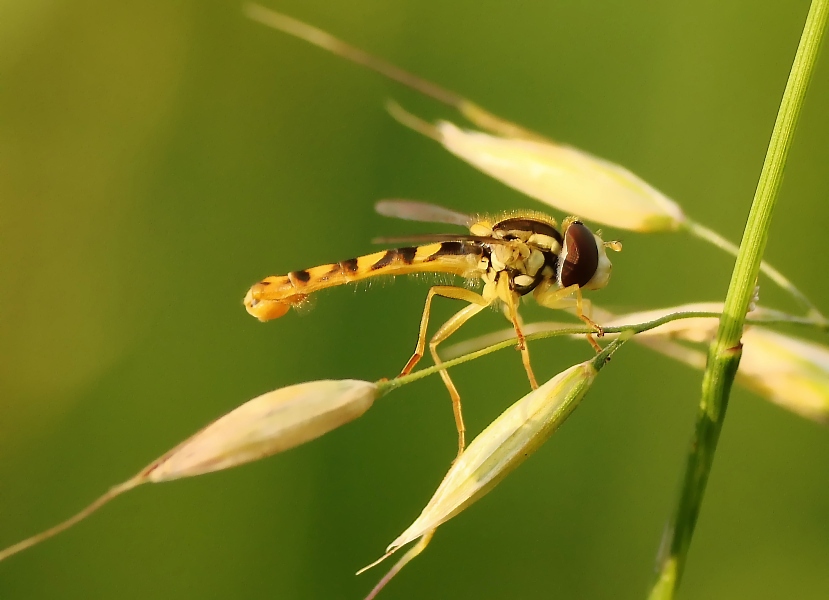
581,255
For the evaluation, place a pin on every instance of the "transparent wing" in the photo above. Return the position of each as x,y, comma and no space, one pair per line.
413,210
429,238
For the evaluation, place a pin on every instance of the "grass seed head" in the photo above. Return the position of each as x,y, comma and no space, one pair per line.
270,423
507,442
567,179
791,372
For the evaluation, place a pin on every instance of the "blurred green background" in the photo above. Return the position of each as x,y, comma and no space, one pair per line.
159,157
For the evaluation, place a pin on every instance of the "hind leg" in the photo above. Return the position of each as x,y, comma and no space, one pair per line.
476,304
447,329
446,291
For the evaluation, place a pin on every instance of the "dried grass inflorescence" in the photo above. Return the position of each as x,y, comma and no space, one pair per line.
500,448
789,371
567,179
268,424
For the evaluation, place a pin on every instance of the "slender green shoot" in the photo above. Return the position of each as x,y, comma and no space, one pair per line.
714,238
634,328
726,350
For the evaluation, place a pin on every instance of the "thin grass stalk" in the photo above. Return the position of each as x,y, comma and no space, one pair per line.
714,238
726,350
388,385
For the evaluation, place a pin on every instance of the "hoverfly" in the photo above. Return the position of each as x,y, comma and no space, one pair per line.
513,255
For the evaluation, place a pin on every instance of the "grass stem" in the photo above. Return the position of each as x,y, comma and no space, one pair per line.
714,238
726,350
634,328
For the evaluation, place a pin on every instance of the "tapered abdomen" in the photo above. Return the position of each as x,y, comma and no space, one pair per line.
273,296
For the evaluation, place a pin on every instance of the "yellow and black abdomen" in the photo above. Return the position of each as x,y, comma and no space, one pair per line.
273,296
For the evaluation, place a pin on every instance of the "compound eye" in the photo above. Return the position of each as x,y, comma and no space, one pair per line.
580,255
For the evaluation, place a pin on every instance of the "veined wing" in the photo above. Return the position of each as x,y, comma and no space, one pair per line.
414,210
430,238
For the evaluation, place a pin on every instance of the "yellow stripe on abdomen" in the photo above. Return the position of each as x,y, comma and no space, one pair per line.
273,296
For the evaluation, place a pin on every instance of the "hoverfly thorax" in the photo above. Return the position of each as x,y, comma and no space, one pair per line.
531,250
525,250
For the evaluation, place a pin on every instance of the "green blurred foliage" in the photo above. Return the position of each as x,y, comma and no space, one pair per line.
158,158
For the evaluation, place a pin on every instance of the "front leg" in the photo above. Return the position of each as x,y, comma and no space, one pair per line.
563,298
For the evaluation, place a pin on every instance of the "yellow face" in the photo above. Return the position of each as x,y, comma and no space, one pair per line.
602,275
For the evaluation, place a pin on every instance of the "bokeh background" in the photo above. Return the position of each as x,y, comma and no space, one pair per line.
159,157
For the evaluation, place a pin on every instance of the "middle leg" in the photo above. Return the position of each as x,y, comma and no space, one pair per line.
512,306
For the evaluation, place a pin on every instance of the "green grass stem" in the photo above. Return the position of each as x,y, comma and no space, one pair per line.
775,318
714,238
726,350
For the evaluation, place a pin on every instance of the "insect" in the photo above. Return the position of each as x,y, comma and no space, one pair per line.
513,255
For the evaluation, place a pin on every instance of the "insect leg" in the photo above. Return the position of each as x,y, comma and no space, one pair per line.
447,291
447,329
559,299
476,304
580,302
522,343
